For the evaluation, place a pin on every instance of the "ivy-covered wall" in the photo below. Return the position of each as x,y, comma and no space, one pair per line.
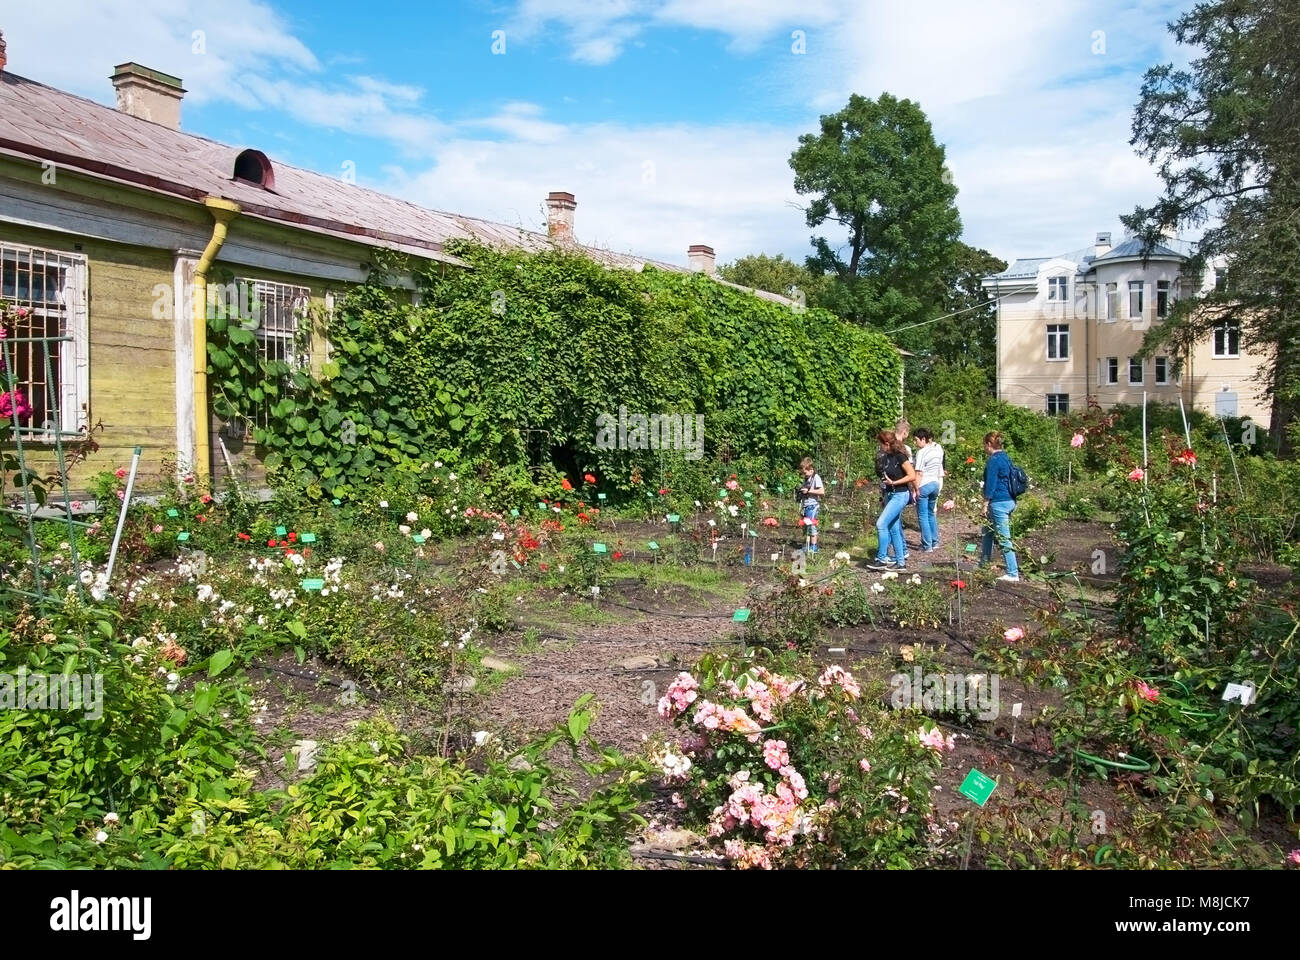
547,343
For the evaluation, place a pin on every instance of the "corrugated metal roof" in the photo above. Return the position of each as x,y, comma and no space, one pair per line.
43,122
1132,247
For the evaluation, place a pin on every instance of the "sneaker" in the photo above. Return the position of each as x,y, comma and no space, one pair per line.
879,564
1009,578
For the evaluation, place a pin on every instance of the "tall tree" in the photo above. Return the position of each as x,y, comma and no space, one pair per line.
875,170
775,275
970,336
1226,135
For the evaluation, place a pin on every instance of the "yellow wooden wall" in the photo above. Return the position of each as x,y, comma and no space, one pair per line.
132,375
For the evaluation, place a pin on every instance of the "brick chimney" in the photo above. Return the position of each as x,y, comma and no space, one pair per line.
559,216
701,258
1103,243
3,58
148,94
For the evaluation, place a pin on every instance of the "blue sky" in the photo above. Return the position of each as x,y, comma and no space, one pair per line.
672,121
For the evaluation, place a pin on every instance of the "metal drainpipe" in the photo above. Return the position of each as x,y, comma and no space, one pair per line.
223,211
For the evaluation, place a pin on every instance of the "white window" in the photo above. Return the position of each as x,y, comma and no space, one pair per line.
1058,341
1058,404
1112,301
1134,370
1162,298
1057,288
1162,370
1111,372
1227,340
276,313
46,351
1135,290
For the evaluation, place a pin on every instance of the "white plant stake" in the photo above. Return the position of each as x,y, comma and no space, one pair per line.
121,516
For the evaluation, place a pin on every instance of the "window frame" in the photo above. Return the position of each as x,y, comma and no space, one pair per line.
1055,284
1164,298
1058,333
1061,401
1231,330
68,310
1112,305
1161,371
1138,287
1142,372
1112,376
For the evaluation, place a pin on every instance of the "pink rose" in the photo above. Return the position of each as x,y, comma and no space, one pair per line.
157,528
864,765
949,504
1150,694
1076,440
1137,474
1013,634
120,473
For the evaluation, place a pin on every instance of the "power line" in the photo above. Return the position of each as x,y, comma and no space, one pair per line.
946,316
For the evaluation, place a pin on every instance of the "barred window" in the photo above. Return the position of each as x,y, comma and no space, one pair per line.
277,315
46,359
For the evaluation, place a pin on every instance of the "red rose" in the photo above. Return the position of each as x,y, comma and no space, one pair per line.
566,484
589,478
663,491
270,543
618,555
293,537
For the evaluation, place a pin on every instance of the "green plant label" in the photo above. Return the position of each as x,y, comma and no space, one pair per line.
173,512
314,584
652,545
740,616
418,538
971,548
514,511
600,496
280,531
977,787
336,501
598,548
748,496
182,536
674,518
754,534
780,489
722,494
308,538
541,506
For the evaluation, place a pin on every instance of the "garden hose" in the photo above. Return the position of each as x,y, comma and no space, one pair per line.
1144,766
1179,704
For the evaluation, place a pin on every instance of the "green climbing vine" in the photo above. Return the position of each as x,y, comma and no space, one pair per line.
510,363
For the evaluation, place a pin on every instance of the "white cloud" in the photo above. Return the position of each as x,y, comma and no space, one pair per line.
652,191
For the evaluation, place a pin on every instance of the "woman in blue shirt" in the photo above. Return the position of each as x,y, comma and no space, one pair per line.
998,504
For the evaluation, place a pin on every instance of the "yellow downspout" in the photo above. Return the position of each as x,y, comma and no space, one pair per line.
223,211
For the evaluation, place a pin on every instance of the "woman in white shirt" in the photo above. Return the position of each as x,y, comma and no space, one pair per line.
929,481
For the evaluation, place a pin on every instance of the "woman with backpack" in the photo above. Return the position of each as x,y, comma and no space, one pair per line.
897,480
999,502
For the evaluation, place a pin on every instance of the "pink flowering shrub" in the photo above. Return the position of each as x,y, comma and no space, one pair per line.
785,764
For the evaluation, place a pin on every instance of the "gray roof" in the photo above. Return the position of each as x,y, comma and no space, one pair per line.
1086,258
1132,247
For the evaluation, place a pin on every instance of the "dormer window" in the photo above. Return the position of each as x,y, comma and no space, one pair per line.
1057,287
253,166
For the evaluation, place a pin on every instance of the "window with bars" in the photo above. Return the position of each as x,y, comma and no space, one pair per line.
277,315
44,350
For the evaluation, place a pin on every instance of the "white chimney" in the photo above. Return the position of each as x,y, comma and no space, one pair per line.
148,94
3,57
559,216
701,258
1103,243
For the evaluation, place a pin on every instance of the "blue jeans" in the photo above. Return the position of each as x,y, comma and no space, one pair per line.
889,527
999,521
809,512
925,512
